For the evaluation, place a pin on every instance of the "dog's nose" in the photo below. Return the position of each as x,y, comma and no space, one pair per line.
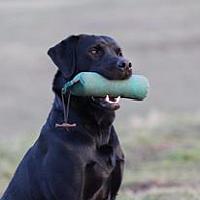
124,64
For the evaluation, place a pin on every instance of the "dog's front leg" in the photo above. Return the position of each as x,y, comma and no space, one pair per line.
63,177
117,173
116,179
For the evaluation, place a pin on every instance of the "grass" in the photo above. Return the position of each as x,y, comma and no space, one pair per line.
11,152
162,158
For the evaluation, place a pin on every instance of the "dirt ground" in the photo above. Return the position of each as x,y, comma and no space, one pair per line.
162,38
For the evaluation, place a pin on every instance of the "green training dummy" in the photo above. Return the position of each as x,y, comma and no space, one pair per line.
93,84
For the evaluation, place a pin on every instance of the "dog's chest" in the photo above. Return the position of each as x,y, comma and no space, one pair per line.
98,171
105,160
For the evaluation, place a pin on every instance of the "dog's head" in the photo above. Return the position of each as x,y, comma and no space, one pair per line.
90,53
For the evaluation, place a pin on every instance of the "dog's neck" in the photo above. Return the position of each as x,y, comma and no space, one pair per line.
84,115
82,110
98,122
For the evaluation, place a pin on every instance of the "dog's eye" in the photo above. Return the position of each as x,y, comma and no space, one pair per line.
96,51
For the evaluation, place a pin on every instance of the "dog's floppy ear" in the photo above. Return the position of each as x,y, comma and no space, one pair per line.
64,55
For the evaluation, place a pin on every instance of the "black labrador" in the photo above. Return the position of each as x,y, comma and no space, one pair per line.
85,162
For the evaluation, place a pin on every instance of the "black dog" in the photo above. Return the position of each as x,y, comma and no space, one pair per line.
85,162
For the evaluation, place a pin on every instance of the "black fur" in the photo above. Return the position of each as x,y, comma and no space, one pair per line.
86,162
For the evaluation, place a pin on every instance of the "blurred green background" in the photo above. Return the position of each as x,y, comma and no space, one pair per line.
160,136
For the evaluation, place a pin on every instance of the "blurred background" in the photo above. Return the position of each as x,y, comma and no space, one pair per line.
160,136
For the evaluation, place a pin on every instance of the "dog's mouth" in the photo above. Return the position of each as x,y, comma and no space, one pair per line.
107,102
